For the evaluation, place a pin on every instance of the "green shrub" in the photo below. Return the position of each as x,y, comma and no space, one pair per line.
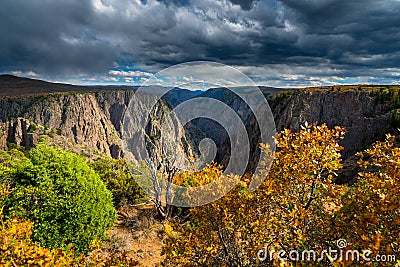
118,179
7,159
63,196
13,146
395,120
51,133
32,128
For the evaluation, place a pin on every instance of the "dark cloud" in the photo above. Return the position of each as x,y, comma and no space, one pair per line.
65,38
244,4
172,2
334,27
51,37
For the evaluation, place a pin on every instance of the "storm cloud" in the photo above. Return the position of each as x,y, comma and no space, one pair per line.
285,42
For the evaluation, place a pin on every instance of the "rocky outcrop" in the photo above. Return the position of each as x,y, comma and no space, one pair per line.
78,117
92,121
17,132
365,117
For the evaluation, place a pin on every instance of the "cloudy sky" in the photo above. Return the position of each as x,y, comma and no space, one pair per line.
287,43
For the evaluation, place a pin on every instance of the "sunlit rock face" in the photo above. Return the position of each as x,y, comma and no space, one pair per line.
84,122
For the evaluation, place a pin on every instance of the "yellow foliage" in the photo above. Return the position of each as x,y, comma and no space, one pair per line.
17,249
170,232
374,200
198,178
297,207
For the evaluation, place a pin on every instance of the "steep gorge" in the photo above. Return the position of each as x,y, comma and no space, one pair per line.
91,122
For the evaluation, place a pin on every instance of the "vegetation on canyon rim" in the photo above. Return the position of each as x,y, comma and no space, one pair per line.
298,206
60,193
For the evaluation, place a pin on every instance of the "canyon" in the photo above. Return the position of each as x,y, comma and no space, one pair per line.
89,120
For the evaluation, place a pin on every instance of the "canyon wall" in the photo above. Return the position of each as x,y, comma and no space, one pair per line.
89,123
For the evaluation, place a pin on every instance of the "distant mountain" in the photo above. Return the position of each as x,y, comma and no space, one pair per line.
177,95
222,93
17,86
14,86
111,87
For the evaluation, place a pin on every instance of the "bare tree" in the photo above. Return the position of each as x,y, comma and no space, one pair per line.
160,170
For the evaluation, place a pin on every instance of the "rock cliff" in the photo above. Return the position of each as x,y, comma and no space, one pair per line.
84,122
366,113
91,122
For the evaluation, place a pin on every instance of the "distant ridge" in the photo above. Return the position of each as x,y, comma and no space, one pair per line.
12,86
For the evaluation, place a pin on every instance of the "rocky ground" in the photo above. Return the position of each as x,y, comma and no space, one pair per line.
138,235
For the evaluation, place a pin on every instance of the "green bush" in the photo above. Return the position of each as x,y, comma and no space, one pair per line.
62,195
7,159
51,133
395,120
32,128
118,179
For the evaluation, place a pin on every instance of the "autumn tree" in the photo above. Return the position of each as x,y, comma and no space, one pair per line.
287,211
298,207
369,217
18,249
